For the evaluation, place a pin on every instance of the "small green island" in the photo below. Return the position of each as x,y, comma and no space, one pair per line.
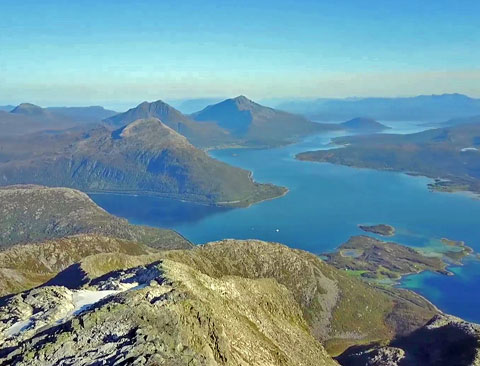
381,229
387,262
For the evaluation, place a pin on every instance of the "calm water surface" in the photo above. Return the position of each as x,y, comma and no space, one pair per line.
322,210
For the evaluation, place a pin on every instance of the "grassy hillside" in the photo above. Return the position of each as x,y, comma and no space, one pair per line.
35,213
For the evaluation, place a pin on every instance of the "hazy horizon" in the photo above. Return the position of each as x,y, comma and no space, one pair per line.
120,52
271,102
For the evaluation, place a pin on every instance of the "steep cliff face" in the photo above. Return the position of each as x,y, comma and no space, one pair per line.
443,341
144,157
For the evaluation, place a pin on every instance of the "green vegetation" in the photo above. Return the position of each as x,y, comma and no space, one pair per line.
35,213
381,229
374,259
384,263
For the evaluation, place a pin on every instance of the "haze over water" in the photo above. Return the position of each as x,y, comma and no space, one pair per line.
322,210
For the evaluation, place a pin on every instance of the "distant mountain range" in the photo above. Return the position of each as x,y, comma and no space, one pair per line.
145,156
422,108
237,121
28,118
84,115
462,121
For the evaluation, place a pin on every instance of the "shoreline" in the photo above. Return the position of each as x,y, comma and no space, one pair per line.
432,186
223,204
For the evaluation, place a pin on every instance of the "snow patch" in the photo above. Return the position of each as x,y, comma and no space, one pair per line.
83,299
465,149
18,327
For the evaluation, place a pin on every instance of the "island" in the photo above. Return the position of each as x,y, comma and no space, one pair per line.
363,124
381,229
378,260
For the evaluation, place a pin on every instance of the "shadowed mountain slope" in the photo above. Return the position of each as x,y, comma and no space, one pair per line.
257,125
28,118
83,115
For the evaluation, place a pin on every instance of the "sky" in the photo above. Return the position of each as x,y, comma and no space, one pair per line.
118,53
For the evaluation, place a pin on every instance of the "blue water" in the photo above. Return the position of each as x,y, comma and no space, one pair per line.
323,208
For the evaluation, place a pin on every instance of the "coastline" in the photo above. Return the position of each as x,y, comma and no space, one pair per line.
226,204
433,186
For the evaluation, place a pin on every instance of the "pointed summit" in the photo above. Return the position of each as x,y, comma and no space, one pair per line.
242,99
257,124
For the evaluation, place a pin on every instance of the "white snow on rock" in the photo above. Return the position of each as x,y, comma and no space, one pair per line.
465,149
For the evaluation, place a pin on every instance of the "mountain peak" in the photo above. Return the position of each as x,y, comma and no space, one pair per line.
145,110
28,108
242,98
150,130
243,101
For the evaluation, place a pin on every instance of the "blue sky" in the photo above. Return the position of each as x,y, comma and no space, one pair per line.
122,52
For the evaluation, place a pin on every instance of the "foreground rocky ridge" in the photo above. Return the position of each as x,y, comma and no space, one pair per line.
264,302
25,266
165,312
